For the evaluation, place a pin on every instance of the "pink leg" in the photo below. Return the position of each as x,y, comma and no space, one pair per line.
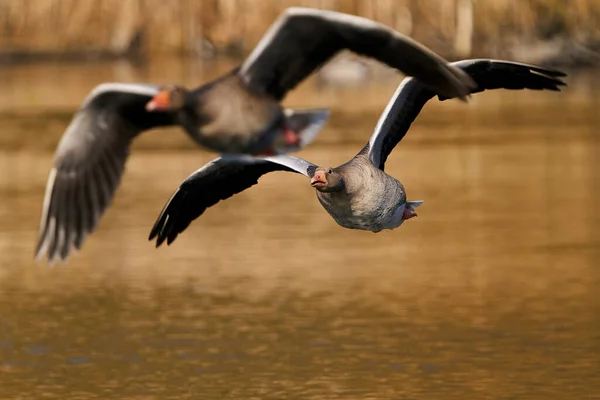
291,137
408,214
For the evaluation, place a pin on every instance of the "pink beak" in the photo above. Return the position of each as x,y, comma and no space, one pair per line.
318,180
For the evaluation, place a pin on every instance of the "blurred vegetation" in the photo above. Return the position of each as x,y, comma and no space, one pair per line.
555,31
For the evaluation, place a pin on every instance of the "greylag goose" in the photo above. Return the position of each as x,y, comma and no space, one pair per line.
239,112
357,194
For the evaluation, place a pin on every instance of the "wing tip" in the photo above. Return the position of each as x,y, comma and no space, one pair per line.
52,257
38,253
162,237
163,218
43,225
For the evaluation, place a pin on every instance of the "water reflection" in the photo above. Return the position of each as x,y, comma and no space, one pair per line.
490,292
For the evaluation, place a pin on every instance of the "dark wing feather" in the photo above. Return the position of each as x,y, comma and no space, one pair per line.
301,40
411,96
218,180
89,162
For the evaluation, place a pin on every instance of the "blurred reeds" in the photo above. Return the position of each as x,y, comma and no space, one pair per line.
118,27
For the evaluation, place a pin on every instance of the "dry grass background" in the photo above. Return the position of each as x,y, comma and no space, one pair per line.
154,26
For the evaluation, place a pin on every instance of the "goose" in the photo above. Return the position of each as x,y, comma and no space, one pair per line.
358,194
238,113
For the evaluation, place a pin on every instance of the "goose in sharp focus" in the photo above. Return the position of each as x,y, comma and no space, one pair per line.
239,112
357,194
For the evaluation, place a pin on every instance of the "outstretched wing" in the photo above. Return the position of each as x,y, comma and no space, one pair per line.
89,162
411,96
301,40
218,180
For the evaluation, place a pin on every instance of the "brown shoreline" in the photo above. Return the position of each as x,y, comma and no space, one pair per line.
544,31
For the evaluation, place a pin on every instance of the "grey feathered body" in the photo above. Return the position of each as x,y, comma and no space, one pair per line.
229,118
371,199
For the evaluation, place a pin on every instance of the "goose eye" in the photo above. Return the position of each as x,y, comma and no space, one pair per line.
330,171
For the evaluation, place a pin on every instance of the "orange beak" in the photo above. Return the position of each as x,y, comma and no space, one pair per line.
318,180
160,101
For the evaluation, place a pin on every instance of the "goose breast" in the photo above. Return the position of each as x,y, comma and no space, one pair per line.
372,200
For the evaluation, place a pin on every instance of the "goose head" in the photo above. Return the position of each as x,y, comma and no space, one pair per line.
168,99
326,179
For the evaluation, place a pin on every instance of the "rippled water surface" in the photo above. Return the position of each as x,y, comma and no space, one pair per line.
491,293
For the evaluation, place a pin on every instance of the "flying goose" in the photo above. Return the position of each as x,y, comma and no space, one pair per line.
357,194
239,112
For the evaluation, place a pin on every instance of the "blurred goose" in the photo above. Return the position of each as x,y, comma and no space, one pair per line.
357,194
239,112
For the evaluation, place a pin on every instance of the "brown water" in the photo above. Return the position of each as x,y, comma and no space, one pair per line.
491,293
